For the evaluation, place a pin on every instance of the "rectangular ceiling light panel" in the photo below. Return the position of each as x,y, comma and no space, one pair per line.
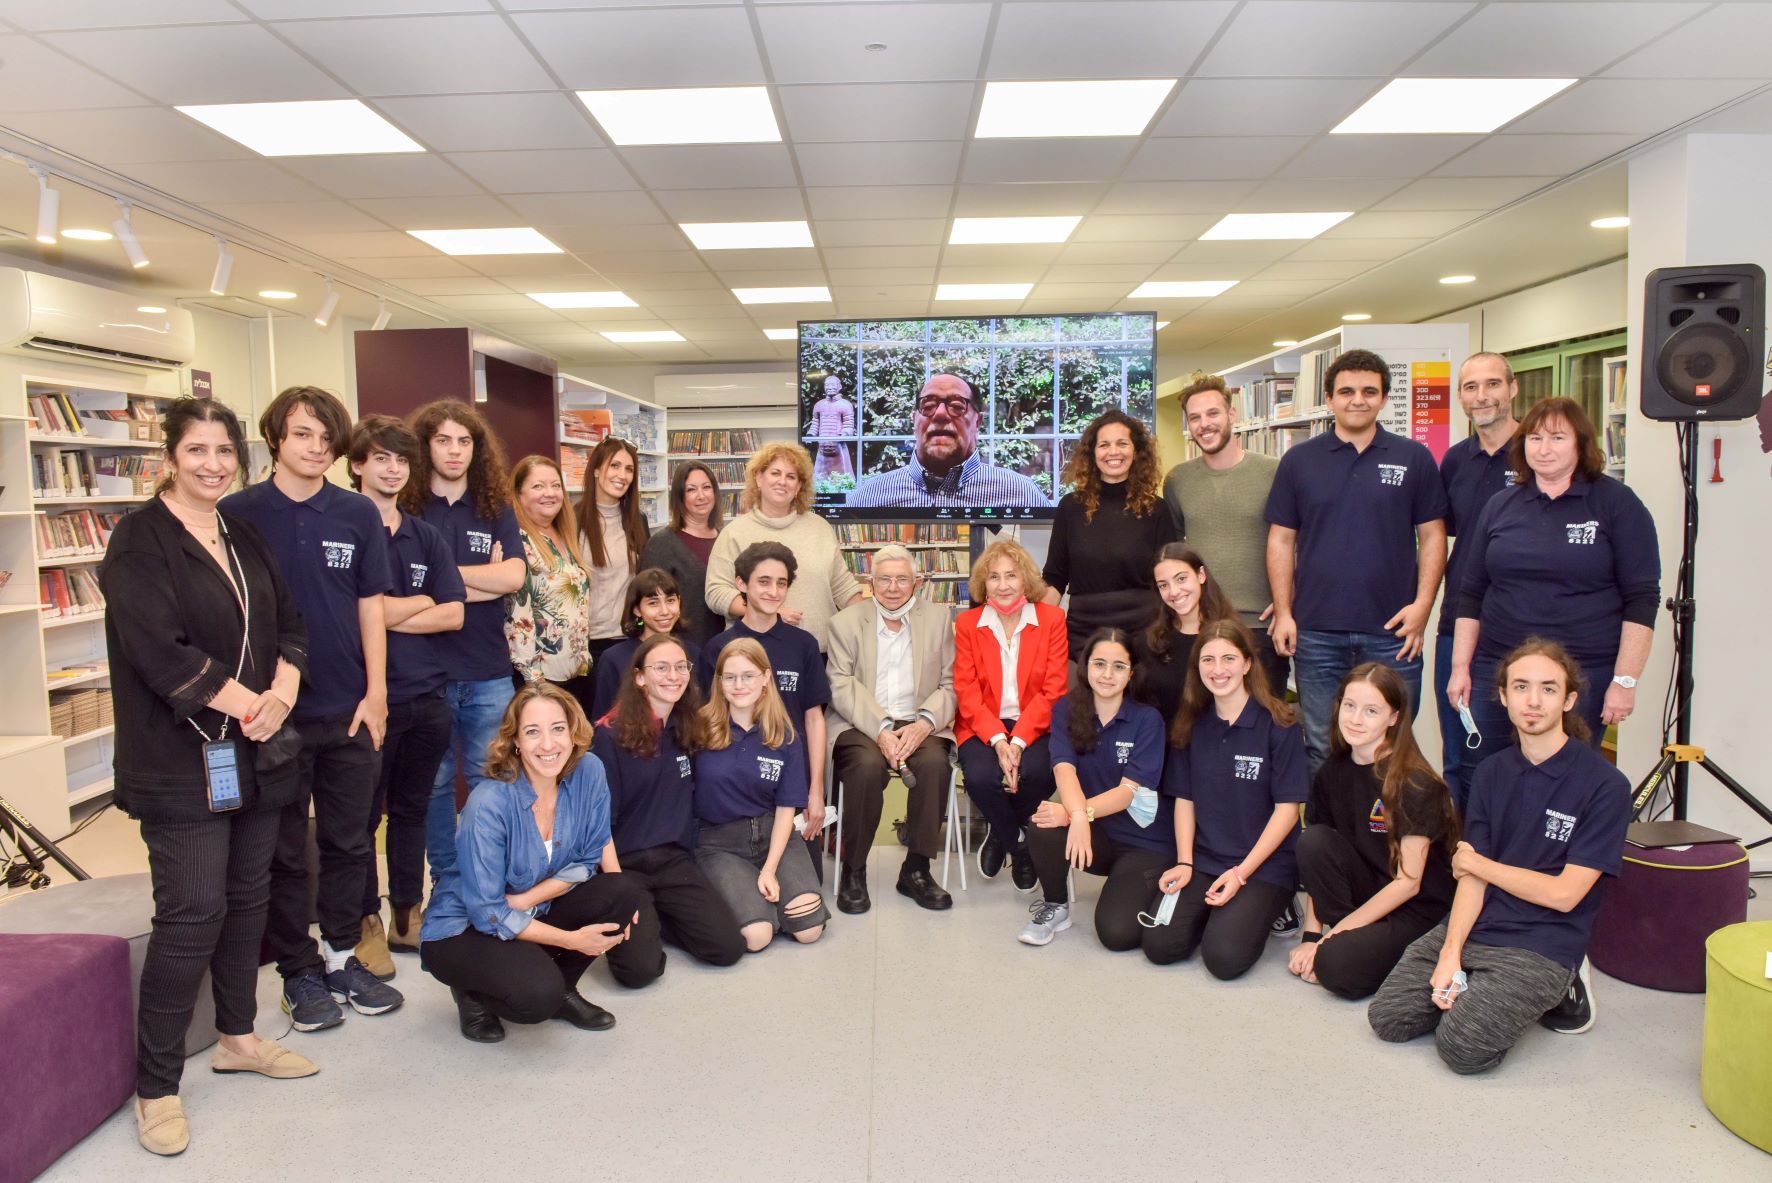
782,334
1056,110
1178,289
692,115
1448,106
332,127
503,240
782,295
1301,225
643,336
969,231
983,291
582,299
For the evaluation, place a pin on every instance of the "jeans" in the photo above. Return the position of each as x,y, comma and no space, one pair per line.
418,731
475,711
1453,765
1322,660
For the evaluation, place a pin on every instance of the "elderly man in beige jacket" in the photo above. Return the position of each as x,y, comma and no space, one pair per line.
891,665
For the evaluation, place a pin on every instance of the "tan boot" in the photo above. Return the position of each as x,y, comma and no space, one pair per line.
403,937
372,949
272,1060
161,1126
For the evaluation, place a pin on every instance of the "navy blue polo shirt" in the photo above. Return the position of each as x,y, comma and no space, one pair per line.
1573,569
332,551
477,652
748,779
1573,808
1235,773
612,671
651,798
793,655
1471,477
1355,513
422,566
1129,747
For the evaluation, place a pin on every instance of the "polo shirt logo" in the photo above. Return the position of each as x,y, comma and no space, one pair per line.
684,769
1375,819
1122,750
1508,479
769,768
1248,767
339,554
1582,533
1558,826
1392,474
479,542
417,572
787,681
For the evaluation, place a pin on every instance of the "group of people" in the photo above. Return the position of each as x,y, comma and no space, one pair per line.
648,723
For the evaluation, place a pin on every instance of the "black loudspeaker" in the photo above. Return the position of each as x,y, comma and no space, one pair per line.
1702,329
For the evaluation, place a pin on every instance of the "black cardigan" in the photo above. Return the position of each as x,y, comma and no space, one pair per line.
172,632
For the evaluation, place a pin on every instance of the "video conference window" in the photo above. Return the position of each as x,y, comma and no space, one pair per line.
962,417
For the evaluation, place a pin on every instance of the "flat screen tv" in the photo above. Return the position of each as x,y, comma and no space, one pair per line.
972,418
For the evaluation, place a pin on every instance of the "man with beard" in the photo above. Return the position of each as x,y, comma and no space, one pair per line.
1219,501
945,468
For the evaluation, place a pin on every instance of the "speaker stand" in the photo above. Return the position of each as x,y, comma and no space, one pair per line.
19,828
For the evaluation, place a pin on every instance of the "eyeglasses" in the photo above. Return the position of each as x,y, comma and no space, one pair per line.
1099,666
661,668
745,679
955,407
894,580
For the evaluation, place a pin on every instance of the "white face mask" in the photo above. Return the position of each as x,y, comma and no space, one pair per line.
1142,809
898,613
1165,912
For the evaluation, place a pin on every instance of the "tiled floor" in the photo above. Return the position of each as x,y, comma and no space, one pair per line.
912,1046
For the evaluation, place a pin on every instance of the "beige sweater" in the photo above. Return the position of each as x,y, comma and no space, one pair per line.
822,586
609,584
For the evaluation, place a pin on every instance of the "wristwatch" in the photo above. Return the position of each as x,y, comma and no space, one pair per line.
1089,812
1625,680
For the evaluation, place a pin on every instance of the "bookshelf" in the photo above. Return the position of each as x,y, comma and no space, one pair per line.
1615,380
943,550
587,413
723,450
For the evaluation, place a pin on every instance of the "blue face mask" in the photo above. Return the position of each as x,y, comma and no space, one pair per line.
1143,807
1165,911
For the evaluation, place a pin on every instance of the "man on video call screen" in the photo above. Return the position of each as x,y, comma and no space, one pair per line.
945,469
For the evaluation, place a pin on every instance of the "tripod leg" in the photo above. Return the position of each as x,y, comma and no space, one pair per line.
1734,786
1646,788
22,827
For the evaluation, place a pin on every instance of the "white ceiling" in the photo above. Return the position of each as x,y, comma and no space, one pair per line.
877,153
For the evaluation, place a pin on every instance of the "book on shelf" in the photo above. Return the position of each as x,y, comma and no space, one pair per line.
1615,440
572,467
69,592
102,414
1617,396
587,426
732,442
140,470
52,411
62,472
639,427
727,472
878,533
81,531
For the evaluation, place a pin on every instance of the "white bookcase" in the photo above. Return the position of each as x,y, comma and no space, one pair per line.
586,412
1615,376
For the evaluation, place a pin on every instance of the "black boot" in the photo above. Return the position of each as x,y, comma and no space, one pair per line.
852,894
916,881
583,1014
478,1023
1021,868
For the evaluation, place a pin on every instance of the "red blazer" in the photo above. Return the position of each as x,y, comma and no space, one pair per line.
1042,674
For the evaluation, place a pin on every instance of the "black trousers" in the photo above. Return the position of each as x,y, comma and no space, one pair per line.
863,773
1277,667
1131,872
681,908
339,773
1007,812
211,881
411,751
1352,964
523,981
1230,937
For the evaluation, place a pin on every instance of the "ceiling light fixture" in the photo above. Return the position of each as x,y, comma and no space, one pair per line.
382,316
736,236
502,240
582,299
1356,316
1284,344
125,233
782,334
49,209
151,309
276,294
973,231
1446,106
1162,324
1048,110
644,336
1616,222
329,127
1275,226
687,115
983,291
806,295
1180,289
224,266
1452,279
327,306
85,235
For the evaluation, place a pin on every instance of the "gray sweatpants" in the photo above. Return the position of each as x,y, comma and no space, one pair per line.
1508,990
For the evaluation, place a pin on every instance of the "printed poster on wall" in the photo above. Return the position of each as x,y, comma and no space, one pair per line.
1420,403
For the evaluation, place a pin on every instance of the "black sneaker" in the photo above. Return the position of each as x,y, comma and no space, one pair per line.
356,985
1287,924
991,855
309,1005
1021,869
1575,1013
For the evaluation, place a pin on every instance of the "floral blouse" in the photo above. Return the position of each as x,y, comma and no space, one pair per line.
547,620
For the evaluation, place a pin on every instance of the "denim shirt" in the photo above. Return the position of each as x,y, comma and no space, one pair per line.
499,851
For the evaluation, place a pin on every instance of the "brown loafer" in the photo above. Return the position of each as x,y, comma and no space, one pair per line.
160,1125
273,1060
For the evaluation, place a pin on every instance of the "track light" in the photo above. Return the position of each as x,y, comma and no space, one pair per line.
382,317
224,265
125,232
49,209
327,306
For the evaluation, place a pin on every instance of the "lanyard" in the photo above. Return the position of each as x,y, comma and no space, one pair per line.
239,574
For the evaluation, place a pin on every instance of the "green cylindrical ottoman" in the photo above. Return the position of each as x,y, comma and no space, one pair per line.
1737,1070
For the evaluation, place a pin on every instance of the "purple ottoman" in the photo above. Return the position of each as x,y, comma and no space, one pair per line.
65,1022
1652,928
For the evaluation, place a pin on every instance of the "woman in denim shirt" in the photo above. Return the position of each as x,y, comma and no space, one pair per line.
536,893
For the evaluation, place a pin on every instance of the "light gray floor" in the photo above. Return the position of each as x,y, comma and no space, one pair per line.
910,1046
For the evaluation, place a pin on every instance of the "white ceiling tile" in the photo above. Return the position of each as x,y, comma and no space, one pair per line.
1001,273
925,42
1035,256
1375,156
1729,41
1021,161
1428,224
499,267
1025,200
614,209
879,277
1081,295
1141,228
200,64
806,277
1101,254
129,135
1212,158
876,163
494,122
711,166
1252,289
868,308
40,15
1751,117
516,319
1361,249
439,265
452,285
577,281
1545,40
1174,197
612,50
762,260
439,213
37,78
881,233
655,266
1251,254
1621,105
599,237
1293,195
1120,273
507,301
1366,38
552,171
368,244
877,111
1261,106
1102,39
840,257
375,56
299,217
1462,192
1295,268
1534,155
399,175
894,202
226,180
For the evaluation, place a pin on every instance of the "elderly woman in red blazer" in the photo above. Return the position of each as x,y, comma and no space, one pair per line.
1010,667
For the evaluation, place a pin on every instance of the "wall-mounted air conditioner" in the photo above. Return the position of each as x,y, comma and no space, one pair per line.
47,314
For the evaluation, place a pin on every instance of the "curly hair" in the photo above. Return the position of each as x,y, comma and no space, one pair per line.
631,720
760,461
1196,700
1084,728
565,522
503,760
1033,584
489,482
1143,483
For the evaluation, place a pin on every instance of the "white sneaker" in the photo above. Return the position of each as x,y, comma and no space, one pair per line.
1049,920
